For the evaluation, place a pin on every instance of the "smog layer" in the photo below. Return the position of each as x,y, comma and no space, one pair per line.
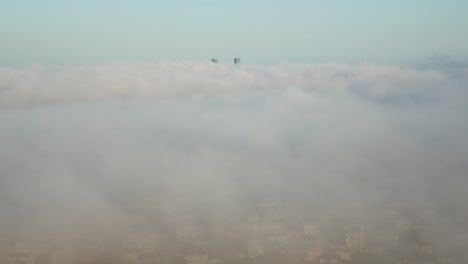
101,150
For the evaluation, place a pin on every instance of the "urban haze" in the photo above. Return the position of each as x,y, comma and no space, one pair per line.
118,147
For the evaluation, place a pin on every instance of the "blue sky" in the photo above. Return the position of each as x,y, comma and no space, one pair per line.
89,31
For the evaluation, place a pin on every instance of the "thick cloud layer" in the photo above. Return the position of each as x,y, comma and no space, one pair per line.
98,142
41,85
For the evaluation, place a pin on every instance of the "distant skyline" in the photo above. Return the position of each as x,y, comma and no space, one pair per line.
260,32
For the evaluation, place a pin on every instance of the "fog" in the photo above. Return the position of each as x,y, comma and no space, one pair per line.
88,147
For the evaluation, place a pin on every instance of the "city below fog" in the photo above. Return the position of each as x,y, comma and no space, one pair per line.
211,163
263,233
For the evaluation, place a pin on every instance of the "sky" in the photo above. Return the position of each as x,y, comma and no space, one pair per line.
261,32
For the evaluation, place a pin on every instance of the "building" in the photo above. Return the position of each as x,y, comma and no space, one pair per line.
19,251
63,255
404,224
423,248
196,258
237,232
142,258
355,241
138,242
313,250
20,258
216,232
255,248
344,253
330,258
7,247
387,238
311,229
267,229
188,232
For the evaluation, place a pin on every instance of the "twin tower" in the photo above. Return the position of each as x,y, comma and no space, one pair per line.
236,60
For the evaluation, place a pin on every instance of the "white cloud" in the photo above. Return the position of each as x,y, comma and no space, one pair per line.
70,84
102,138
